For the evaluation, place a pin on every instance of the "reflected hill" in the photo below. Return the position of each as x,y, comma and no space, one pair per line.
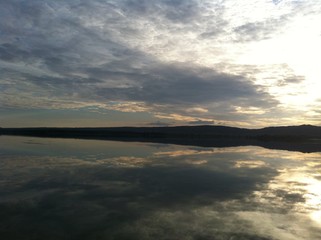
304,138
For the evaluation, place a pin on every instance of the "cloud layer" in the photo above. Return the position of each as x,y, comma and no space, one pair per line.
159,57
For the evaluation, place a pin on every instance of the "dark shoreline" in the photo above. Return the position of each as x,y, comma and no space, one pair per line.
303,138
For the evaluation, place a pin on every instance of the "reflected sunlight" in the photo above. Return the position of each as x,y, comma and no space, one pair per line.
313,198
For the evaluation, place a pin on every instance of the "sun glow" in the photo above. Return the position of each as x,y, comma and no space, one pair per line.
316,216
299,48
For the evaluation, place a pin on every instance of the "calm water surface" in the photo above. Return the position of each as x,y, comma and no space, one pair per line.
86,189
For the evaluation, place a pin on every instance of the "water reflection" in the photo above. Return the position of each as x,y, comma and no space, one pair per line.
85,189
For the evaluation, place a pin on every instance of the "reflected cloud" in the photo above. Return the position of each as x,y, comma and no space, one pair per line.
249,164
170,192
186,152
279,226
124,162
200,151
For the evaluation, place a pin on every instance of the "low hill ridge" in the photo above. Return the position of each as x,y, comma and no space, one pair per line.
201,131
304,138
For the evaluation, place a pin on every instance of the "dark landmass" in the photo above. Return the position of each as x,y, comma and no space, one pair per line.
304,138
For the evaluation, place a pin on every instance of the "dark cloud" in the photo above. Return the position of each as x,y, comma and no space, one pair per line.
178,11
294,79
130,75
10,52
58,38
188,84
57,35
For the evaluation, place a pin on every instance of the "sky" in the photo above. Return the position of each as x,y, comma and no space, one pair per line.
76,63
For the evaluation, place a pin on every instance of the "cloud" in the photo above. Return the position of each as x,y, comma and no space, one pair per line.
168,57
276,2
177,11
257,31
291,80
196,110
189,84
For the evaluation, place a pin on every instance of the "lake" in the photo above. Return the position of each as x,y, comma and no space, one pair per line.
89,189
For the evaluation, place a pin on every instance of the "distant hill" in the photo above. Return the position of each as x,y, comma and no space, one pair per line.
304,138
303,131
